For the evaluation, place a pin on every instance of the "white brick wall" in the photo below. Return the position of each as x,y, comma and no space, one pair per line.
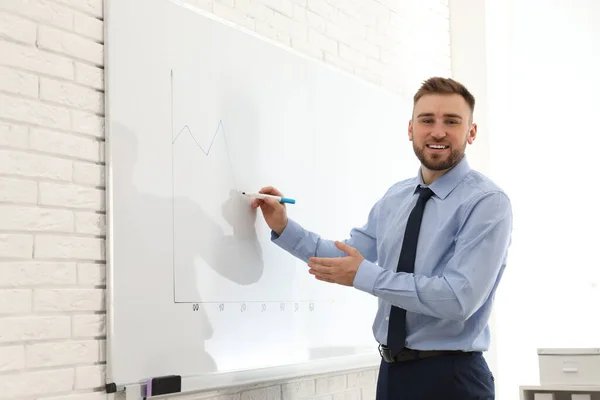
52,220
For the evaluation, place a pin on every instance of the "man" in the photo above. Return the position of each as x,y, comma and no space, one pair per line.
433,251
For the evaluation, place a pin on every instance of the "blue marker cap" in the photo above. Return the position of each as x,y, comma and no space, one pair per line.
287,200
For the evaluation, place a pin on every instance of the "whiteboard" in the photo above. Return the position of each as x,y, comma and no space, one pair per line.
197,110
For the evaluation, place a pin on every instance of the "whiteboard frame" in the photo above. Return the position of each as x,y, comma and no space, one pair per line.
261,376
225,380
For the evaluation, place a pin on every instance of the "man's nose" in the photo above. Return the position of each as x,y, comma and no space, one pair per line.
438,132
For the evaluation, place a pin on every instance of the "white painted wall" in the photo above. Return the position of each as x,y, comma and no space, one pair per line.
543,85
52,207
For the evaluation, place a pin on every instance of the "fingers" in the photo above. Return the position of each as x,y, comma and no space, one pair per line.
261,202
320,269
255,203
270,190
325,277
272,202
325,262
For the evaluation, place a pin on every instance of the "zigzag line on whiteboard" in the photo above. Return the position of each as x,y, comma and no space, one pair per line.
206,152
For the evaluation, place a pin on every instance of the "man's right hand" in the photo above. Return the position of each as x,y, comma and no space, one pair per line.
273,211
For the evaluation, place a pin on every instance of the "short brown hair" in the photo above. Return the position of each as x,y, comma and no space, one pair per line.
438,85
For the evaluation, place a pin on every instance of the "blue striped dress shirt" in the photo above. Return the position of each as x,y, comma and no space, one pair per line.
461,255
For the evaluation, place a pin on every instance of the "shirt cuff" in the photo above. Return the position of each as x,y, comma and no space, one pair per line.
366,275
289,236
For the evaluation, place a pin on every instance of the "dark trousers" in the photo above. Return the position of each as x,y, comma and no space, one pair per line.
446,377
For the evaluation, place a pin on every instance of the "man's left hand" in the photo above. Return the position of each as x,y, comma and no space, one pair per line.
341,270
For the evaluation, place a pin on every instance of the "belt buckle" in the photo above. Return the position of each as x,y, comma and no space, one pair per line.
386,354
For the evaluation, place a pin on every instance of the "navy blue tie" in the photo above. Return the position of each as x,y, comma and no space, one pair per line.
406,263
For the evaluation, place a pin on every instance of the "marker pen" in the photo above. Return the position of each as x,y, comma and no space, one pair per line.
264,196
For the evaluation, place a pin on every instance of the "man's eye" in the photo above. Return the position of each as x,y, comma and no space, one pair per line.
427,121
451,122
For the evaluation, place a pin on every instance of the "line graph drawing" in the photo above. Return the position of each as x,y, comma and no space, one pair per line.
207,151
220,130
217,250
214,236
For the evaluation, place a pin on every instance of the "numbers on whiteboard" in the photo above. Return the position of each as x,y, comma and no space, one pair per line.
263,307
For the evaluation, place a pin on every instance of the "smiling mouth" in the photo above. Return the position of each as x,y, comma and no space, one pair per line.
437,146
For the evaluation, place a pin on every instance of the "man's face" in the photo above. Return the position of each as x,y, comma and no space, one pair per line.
440,130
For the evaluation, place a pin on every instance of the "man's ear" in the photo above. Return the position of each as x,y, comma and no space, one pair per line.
410,130
472,133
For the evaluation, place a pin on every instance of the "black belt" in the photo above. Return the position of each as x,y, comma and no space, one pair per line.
407,354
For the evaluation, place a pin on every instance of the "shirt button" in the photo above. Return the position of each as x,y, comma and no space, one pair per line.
387,318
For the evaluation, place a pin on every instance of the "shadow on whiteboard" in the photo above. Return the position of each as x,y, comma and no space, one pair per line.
141,256
214,229
202,246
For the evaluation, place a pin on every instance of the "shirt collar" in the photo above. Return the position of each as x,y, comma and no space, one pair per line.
442,186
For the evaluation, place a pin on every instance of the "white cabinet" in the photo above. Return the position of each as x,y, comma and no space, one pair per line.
569,366
566,374
559,392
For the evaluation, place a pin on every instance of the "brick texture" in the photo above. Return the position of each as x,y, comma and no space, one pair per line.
52,172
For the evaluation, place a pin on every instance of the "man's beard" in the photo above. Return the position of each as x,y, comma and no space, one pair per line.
438,162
